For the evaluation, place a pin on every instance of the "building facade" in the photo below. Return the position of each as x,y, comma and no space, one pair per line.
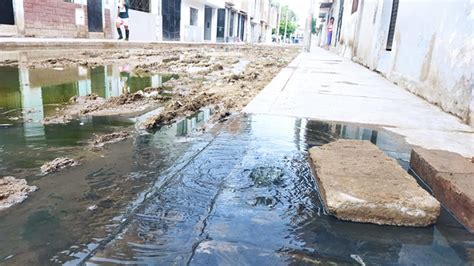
426,47
150,20
55,18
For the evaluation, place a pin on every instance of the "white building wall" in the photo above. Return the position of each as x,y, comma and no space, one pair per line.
214,25
192,33
431,54
143,26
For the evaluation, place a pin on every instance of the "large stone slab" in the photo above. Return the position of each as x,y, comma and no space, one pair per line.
451,178
358,182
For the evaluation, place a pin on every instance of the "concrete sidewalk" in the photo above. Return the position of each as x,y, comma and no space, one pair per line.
324,86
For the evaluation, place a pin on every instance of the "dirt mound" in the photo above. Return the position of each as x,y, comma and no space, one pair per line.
57,164
13,191
224,78
184,105
101,140
126,98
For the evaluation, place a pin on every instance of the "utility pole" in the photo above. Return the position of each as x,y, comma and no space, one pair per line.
309,26
278,22
286,23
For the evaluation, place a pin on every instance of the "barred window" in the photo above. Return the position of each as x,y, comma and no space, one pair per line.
140,5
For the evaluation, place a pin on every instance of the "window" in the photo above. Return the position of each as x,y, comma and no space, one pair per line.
231,24
140,5
393,22
194,17
355,5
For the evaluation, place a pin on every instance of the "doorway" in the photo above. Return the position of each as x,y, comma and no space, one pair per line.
242,27
7,15
207,23
171,13
94,15
220,24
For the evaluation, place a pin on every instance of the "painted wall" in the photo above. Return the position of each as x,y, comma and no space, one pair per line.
144,26
432,51
192,33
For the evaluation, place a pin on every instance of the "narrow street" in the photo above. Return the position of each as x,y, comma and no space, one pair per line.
236,132
239,192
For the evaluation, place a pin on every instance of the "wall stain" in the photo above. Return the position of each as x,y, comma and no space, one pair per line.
426,67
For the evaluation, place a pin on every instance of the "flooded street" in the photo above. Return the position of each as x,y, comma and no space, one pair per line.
242,194
215,188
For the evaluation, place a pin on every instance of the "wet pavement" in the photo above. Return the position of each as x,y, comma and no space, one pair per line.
241,193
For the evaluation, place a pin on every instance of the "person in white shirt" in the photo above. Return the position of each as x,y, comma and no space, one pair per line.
122,19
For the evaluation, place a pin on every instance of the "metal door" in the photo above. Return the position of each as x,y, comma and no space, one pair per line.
171,13
94,15
207,23
220,24
6,12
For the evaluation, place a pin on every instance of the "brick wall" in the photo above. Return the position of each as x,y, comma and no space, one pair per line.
56,18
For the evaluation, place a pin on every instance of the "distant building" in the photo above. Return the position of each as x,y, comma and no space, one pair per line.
150,20
424,46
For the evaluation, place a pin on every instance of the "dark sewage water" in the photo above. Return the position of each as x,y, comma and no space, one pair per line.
241,193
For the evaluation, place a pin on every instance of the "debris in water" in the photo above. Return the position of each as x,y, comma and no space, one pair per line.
62,119
92,208
57,164
13,191
101,140
358,259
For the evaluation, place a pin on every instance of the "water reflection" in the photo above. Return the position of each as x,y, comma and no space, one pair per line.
34,93
31,89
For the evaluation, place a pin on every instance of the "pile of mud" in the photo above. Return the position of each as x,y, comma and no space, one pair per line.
225,79
102,140
13,191
57,165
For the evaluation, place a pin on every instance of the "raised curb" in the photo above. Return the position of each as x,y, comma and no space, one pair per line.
451,179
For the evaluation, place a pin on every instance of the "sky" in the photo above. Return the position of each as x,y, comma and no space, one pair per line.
300,7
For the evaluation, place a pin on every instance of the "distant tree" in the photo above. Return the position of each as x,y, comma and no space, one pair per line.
292,21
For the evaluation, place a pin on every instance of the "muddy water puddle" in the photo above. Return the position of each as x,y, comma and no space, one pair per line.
242,194
31,94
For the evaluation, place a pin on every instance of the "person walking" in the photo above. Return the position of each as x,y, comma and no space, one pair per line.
330,27
122,19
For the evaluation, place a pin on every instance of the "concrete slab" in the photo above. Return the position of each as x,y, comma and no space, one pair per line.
324,86
358,182
451,178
